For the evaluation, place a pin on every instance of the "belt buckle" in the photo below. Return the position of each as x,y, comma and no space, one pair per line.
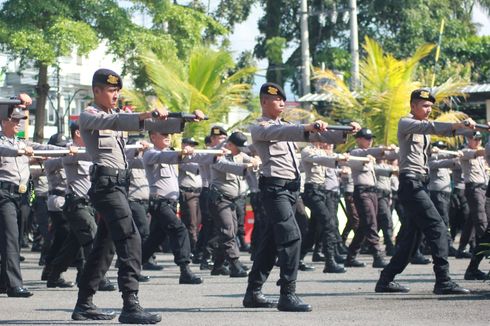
22,188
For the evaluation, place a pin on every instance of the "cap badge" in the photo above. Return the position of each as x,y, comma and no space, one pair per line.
112,80
216,131
424,94
272,90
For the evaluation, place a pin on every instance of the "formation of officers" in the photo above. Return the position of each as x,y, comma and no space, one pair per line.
103,198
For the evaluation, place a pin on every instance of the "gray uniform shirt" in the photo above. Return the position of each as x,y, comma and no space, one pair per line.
56,181
440,172
458,178
315,162
161,173
189,176
414,141
14,168
474,167
39,180
77,169
138,184
227,174
383,176
274,143
332,179
364,174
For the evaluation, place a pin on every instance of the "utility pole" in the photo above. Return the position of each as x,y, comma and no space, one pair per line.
354,44
305,49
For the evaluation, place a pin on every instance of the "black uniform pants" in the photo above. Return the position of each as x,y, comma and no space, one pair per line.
281,235
459,213
385,221
10,275
476,201
420,217
59,230
81,220
165,222
206,234
442,200
352,217
225,226
41,217
116,229
139,210
316,200
259,215
366,202
191,214
241,210
332,199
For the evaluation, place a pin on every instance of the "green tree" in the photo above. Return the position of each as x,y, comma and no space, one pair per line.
42,31
200,83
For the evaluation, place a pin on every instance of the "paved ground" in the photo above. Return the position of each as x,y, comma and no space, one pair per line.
345,299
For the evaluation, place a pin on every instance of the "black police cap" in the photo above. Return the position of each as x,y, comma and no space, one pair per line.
364,133
58,139
107,77
218,130
439,144
272,89
422,94
190,141
238,139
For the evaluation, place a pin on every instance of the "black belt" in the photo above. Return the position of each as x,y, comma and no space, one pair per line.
314,186
10,187
291,185
75,199
365,188
190,189
100,170
474,185
415,175
56,192
159,199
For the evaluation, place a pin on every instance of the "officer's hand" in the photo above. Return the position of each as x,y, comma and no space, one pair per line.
468,124
435,150
316,126
199,115
187,150
356,127
160,113
27,151
255,162
392,148
480,152
343,157
395,170
25,100
371,158
345,170
72,150
144,145
459,154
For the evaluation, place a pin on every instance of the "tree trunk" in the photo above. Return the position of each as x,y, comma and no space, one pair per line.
42,90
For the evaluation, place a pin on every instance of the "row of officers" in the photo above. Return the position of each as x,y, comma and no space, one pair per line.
100,201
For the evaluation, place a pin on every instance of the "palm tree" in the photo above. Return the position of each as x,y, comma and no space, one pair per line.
386,86
201,83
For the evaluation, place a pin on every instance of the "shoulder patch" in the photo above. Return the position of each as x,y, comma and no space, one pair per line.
91,110
264,123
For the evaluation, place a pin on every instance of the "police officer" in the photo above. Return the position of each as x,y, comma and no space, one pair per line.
14,176
279,184
40,206
420,213
365,199
100,128
315,162
79,214
190,189
351,212
204,248
164,193
226,182
138,197
440,183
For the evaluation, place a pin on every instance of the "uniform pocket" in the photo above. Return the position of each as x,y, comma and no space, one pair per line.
278,148
106,143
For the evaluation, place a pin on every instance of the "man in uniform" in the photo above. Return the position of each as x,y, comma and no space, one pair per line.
279,184
14,176
190,183
100,127
420,213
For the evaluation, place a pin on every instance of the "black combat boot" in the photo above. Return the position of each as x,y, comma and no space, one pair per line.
331,265
339,258
56,281
351,261
472,272
289,301
86,310
187,276
236,269
305,267
45,273
378,260
254,298
390,286
106,285
133,313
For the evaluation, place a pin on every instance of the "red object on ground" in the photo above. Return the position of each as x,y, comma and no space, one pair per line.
249,223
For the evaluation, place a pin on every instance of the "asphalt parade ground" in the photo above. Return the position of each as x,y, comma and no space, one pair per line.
337,299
